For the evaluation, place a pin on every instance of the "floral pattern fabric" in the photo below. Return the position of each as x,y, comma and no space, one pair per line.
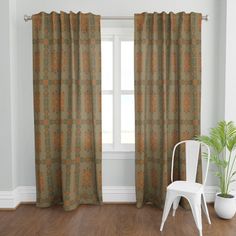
67,108
167,97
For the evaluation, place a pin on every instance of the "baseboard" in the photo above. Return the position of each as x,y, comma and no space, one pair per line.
210,193
8,199
26,194
21,194
111,194
127,193
119,194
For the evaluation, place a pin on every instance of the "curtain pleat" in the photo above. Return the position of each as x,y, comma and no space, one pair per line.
67,108
167,97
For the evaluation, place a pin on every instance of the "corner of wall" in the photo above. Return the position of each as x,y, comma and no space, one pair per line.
14,83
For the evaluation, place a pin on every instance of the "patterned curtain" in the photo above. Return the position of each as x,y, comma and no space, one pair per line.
67,108
167,97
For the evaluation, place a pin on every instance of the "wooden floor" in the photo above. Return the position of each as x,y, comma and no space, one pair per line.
106,220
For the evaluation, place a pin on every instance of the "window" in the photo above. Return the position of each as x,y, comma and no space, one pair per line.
118,119
107,92
127,92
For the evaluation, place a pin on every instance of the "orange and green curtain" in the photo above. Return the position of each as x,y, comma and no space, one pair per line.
67,108
167,96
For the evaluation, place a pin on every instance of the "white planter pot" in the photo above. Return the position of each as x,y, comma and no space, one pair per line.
225,207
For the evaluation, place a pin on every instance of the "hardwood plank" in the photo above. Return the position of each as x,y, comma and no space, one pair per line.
107,220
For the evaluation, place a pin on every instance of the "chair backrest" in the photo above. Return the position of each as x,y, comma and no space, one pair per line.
192,149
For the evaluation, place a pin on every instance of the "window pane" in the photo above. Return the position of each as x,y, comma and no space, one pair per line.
107,65
107,118
127,119
127,65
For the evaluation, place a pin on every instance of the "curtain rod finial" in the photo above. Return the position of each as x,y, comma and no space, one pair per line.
27,18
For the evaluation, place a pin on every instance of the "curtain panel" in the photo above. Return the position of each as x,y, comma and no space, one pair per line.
167,97
67,108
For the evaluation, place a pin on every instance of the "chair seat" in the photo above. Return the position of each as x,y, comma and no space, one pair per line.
186,186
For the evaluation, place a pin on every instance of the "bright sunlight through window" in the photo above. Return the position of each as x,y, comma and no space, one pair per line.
118,119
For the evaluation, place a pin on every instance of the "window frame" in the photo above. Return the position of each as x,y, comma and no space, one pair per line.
116,35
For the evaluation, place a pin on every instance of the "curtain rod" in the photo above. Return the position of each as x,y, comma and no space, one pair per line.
28,18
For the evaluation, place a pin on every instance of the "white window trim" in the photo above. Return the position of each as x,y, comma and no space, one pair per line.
117,35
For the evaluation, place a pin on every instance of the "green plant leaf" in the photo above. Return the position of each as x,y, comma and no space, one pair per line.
205,139
231,142
230,135
221,138
218,174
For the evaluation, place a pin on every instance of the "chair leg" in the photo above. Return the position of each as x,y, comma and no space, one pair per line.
170,197
196,209
175,205
205,209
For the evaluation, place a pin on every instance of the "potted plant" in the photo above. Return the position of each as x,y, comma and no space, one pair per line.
222,141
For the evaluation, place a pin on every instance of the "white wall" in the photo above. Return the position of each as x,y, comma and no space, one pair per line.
7,95
230,67
115,172
5,101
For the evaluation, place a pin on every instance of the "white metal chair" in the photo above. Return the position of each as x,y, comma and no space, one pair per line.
192,191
